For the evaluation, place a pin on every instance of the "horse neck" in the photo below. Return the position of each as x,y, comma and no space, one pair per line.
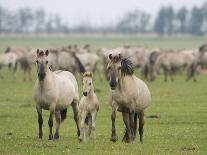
91,93
123,82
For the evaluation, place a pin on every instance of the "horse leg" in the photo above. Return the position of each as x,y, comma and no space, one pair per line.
165,74
128,129
114,137
141,124
75,114
40,122
24,75
50,124
90,125
135,125
93,115
82,118
131,122
58,121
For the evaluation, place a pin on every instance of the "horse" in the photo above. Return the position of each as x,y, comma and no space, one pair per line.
88,108
8,59
54,91
129,95
171,61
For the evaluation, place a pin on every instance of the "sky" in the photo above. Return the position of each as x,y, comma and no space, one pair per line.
97,12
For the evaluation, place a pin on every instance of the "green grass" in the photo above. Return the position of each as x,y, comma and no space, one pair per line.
181,128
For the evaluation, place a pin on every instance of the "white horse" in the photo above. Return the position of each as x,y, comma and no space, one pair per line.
129,95
9,59
54,91
88,108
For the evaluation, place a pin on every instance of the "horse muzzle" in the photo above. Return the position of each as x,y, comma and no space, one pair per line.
113,85
41,76
85,93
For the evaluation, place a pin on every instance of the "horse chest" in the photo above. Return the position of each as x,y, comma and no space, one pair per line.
120,98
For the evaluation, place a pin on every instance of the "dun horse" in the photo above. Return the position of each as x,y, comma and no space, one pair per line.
54,91
128,95
88,108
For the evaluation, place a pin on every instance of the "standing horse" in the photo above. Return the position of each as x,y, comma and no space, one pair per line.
129,95
88,108
54,91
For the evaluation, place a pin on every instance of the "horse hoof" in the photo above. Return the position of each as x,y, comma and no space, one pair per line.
56,137
78,133
50,137
114,138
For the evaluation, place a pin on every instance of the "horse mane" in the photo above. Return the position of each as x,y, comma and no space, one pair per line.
152,58
79,63
127,67
203,48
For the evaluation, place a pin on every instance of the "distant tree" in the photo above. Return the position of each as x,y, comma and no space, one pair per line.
196,21
134,22
160,22
40,20
182,19
169,19
25,19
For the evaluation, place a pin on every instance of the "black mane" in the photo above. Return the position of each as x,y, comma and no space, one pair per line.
127,67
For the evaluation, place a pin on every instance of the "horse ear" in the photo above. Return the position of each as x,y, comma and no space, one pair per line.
38,51
110,56
47,52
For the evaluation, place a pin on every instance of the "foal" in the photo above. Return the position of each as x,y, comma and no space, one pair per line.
88,108
54,91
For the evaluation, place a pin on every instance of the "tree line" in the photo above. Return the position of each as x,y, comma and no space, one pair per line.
168,21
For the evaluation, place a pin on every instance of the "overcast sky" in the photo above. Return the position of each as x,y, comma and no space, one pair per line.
99,12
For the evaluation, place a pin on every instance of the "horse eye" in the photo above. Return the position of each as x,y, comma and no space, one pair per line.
46,62
109,68
90,83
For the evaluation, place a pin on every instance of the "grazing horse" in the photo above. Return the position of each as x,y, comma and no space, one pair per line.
129,95
170,61
54,91
88,108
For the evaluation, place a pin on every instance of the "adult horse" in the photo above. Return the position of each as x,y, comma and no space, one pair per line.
54,91
129,95
170,61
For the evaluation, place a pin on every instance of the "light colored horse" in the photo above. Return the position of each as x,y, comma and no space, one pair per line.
8,59
170,61
54,91
129,95
88,108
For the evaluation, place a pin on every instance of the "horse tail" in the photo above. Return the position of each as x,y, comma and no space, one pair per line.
80,65
63,114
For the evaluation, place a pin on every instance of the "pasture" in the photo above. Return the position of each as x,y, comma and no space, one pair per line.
175,122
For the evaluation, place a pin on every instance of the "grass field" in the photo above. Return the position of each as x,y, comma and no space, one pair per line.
181,106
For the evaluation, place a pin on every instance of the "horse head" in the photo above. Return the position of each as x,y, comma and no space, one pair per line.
87,83
118,67
42,64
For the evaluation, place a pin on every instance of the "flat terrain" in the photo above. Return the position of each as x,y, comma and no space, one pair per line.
180,108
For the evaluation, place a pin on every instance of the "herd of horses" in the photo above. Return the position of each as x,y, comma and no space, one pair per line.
150,61
56,87
55,91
